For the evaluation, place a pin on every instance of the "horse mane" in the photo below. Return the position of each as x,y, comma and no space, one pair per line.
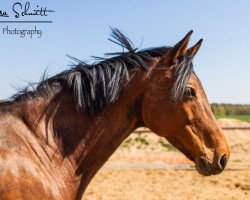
96,85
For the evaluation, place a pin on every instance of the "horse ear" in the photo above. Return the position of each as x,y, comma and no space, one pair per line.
180,49
194,49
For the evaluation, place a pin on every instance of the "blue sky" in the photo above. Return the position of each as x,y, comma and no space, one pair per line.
80,28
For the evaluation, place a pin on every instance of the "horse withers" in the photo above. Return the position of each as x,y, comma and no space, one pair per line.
55,137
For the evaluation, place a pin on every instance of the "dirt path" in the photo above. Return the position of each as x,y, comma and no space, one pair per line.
168,184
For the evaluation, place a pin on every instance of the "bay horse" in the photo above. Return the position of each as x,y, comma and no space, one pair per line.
55,136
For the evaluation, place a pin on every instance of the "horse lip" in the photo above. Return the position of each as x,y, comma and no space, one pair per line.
202,167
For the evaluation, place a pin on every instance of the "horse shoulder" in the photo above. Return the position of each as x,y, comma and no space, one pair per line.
22,174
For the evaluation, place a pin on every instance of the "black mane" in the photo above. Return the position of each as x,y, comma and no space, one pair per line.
96,85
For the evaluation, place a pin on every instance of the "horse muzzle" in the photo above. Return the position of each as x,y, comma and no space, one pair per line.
205,167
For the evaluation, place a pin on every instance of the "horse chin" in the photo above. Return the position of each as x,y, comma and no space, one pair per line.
202,171
201,168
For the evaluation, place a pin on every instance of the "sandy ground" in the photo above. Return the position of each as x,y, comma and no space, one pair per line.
146,167
168,184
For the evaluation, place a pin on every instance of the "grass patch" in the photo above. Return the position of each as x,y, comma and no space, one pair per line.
168,146
139,141
237,160
142,140
245,118
128,141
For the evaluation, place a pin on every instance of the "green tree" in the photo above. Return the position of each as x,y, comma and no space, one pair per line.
220,110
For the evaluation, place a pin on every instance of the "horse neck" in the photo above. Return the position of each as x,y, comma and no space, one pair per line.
88,141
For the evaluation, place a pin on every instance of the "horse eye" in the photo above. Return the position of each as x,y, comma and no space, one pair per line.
190,92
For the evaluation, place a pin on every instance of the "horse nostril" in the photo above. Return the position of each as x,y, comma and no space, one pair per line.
223,161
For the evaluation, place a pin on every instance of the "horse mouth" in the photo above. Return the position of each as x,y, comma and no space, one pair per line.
206,168
201,167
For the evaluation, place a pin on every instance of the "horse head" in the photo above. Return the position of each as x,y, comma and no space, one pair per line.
186,119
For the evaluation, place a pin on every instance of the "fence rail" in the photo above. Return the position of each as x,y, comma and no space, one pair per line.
236,128
224,128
